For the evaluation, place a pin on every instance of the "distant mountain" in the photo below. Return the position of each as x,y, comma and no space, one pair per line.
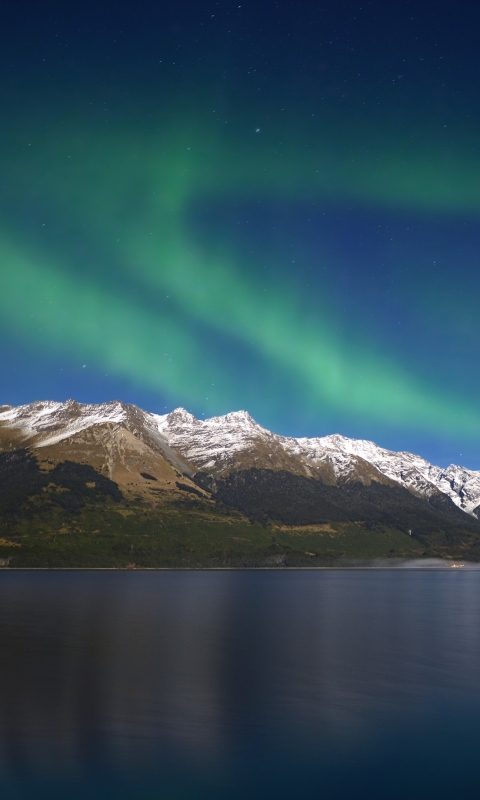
110,484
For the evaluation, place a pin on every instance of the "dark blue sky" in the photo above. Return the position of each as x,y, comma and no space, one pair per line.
270,206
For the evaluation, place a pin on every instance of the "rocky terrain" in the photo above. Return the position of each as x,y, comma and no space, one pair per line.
235,441
112,485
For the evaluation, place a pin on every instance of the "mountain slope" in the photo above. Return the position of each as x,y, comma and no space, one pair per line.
99,486
109,484
235,441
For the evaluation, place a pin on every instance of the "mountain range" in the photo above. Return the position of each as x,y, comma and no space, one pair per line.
112,485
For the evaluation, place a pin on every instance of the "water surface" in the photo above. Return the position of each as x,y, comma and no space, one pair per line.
329,684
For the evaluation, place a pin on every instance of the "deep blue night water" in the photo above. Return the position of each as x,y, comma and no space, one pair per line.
328,684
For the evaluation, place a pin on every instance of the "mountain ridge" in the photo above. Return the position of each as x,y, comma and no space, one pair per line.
337,452
235,440
105,484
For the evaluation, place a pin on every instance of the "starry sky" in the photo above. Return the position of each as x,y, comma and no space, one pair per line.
264,205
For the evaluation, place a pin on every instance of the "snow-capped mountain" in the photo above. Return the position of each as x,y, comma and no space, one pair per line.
46,424
234,442
412,471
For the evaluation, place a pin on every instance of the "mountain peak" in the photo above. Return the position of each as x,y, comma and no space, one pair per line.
180,415
238,416
236,441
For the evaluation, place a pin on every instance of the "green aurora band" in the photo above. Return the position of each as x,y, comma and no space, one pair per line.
134,313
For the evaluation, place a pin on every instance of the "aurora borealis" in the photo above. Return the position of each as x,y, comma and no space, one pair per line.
266,206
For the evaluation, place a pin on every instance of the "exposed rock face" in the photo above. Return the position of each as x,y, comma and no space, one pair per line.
123,441
110,484
221,445
235,441
118,440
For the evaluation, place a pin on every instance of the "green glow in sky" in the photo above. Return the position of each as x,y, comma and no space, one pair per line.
134,304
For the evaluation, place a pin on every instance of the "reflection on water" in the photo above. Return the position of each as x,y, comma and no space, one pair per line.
240,684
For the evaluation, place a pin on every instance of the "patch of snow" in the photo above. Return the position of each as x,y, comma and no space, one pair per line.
217,443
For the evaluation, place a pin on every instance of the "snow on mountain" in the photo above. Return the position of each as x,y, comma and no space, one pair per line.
217,443
235,441
47,423
412,471
43,424
214,442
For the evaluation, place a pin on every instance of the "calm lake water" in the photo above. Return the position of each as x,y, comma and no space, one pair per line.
329,684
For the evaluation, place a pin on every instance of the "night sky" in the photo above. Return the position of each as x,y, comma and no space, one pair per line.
270,206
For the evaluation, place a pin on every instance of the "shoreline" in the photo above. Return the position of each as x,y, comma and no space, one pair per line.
413,565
